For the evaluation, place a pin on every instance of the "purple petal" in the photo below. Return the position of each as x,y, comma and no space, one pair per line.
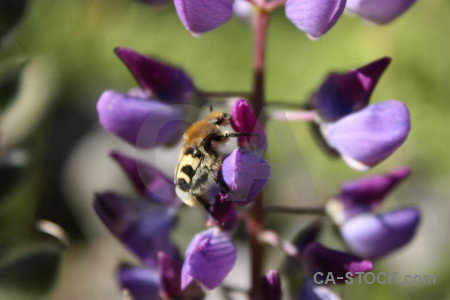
367,193
209,258
142,283
245,173
224,213
271,286
322,259
311,291
170,276
308,235
148,180
200,16
314,17
170,280
142,123
342,94
143,228
371,235
244,120
367,137
321,141
379,11
159,80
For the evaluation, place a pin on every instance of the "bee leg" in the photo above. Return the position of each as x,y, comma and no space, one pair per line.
223,185
227,135
205,203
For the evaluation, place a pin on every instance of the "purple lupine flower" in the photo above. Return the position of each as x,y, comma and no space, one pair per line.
379,11
321,259
364,194
149,181
312,291
307,235
157,79
199,16
142,283
342,94
245,120
224,214
376,235
314,17
368,136
150,116
245,173
367,233
209,258
367,193
271,286
169,276
363,135
142,227
141,122
145,283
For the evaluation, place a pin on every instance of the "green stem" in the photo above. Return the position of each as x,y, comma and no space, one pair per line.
259,56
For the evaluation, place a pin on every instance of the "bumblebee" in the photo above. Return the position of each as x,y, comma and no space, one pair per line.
200,160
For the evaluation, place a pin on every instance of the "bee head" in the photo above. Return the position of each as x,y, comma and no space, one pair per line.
219,118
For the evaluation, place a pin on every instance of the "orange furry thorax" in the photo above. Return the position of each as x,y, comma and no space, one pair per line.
198,131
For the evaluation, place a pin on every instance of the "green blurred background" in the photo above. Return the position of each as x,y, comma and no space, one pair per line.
68,47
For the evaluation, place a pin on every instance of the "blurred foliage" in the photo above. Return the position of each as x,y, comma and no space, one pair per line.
9,85
30,275
77,39
9,177
11,11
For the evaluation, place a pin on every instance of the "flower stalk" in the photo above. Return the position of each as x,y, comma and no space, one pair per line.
342,119
255,219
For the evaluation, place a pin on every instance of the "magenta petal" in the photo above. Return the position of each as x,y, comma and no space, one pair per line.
271,286
209,258
322,259
379,11
371,235
159,80
245,173
367,193
200,16
141,122
170,276
224,213
143,228
367,137
245,120
148,180
142,283
342,94
311,291
314,17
